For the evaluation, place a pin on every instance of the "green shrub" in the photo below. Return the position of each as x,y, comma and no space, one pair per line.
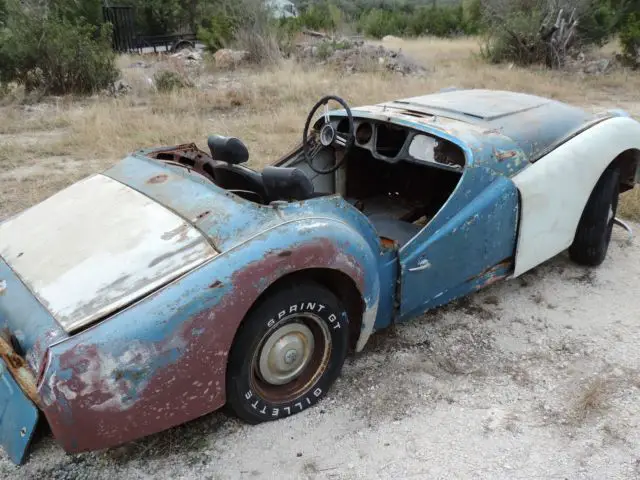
318,17
598,21
472,16
439,21
90,11
324,50
514,32
55,55
378,23
630,39
168,81
245,25
514,38
521,32
327,48
219,33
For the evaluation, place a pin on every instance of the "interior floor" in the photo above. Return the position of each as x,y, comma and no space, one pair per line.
398,198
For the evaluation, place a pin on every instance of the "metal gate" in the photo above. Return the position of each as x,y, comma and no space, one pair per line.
123,20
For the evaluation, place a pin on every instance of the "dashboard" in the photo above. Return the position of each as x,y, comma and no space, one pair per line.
393,143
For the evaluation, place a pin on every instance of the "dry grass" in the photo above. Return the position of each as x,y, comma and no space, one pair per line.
630,204
266,108
592,399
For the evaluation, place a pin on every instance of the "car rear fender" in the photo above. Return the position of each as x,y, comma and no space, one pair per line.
162,361
320,242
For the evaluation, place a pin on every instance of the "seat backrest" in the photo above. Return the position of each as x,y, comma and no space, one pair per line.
282,183
228,149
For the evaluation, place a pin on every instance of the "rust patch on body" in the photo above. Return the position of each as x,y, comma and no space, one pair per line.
202,215
158,178
491,275
19,370
502,155
320,253
158,384
138,398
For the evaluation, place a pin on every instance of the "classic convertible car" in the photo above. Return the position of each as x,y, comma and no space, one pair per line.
179,281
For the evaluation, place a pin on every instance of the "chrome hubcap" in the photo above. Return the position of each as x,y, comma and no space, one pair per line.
286,354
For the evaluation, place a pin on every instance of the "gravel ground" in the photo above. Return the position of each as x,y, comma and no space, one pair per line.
537,377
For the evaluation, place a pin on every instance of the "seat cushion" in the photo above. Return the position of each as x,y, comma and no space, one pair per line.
394,229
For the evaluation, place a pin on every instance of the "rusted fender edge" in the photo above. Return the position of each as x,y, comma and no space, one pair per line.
352,251
162,362
20,372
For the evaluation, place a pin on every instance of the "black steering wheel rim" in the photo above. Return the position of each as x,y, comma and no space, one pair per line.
349,142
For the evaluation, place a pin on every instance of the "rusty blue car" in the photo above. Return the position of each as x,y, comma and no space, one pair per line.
181,280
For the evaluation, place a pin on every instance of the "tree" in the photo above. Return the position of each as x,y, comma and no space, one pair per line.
47,48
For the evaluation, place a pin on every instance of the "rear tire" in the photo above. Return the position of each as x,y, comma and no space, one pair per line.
593,234
287,353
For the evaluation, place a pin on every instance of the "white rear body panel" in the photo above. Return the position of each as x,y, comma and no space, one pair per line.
97,246
556,188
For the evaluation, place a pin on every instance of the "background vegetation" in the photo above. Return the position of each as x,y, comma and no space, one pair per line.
63,46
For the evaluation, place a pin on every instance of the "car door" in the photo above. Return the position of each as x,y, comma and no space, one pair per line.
468,244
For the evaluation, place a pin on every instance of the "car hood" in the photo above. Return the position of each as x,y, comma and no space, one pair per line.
97,246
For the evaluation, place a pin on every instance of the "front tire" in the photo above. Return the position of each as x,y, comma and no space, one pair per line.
287,353
593,234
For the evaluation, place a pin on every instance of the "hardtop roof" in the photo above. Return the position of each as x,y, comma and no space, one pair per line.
533,123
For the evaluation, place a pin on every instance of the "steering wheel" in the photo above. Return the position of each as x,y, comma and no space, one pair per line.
327,136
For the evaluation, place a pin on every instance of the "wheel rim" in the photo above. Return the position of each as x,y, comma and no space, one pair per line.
286,353
291,357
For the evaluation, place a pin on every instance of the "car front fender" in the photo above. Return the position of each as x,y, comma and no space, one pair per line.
555,189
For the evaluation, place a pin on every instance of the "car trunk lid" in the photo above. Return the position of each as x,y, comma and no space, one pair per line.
96,247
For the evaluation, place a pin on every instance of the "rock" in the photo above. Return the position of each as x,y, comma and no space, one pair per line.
227,58
193,55
188,54
138,65
597,67
391,39
119,88
357,56
190,57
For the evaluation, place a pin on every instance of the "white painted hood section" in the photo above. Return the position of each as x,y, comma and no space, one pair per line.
97,246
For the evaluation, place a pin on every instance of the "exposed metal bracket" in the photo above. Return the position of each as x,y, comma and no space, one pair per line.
624,225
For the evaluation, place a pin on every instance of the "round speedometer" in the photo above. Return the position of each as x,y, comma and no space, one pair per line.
364,132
